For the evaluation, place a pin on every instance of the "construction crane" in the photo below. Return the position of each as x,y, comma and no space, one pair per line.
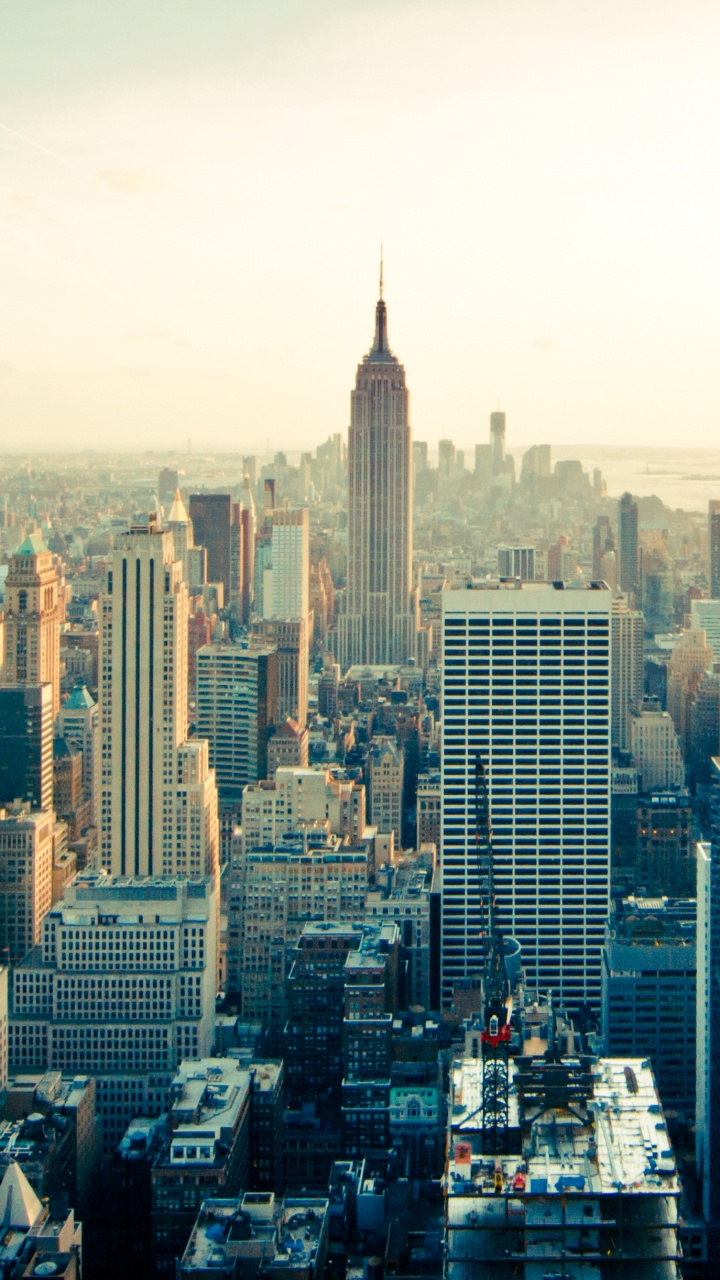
495,1036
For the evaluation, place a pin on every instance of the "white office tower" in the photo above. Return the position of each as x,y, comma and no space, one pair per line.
526,689
150,775
122,987
286,593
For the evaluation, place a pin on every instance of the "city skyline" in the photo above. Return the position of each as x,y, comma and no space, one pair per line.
561,263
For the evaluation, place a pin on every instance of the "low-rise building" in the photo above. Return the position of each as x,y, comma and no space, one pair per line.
207,1152
257,1235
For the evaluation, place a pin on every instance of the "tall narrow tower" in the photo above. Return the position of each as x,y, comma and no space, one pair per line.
32,619
380,622
158,804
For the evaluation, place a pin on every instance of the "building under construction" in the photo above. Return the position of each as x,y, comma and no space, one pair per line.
586,1186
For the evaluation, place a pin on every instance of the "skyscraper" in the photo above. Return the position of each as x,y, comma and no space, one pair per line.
79,723
526,689
290,550
151,777
26,745
603,542
628,669
32,619
714,530
497,442
629,567
211,515
380,620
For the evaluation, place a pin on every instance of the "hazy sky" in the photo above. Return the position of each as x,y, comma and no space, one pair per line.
193,194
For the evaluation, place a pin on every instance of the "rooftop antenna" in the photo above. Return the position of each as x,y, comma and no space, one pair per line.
381,269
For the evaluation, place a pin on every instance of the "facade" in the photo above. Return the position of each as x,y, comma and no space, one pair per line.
707,1115
26,745
408,892
516,562
147,763
526,693
289,594
26,862
288,747
629,558
236,705
664,852
656,752
69,793
315,1003
211,515
122,986
705,616
79,724
649,992
714,539
380,621
628,668
305,877
386,762
301,798
290,637
690,659
207,1153
32,619
371,999
428,824
603,544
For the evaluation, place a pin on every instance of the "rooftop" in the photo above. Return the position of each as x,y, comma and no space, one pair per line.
594,1127
257,1232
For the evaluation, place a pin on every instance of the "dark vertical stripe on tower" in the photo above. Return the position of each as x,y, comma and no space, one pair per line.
151,725
138,565
123,723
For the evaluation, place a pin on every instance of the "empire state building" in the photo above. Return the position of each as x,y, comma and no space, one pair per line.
380,622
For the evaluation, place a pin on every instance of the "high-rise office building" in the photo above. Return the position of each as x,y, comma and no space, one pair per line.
122,986
603,542
705,616
150,773
629,562
290,639
628,668
380,621
248,522
714,532
32,619
707,1111
526,692
237,690
656,751
26,745
211,515
79,724
290,550
26,857
497,442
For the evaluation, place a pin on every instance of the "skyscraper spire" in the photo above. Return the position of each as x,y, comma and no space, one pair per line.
380,345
